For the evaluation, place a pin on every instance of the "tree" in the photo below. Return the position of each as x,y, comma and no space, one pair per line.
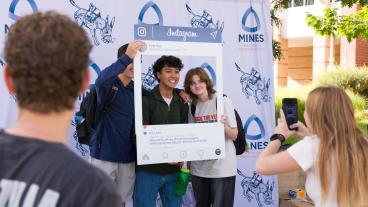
350,3
277,6
354,26
354,21
326,26
330,24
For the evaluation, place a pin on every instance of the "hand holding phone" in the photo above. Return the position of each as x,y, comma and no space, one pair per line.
290,109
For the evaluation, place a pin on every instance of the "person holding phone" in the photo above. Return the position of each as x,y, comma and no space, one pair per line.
333,152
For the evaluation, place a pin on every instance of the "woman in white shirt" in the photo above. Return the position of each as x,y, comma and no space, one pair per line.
333,152
213,180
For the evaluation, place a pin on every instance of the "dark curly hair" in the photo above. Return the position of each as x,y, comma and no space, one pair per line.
168,61
122,50
47,56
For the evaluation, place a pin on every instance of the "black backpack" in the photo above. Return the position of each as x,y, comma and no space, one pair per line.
85,117
240,143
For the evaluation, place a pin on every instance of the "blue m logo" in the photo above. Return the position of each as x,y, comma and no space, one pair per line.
145,8
2,63
14,4
255,21
95,69
211,72
260,126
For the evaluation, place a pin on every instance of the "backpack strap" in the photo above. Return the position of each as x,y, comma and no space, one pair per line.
105,106
183,115
192,108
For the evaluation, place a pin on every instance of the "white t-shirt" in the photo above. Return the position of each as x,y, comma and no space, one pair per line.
305,154
167,100
206,112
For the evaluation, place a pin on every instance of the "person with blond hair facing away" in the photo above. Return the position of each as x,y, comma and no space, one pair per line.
47,67
333,151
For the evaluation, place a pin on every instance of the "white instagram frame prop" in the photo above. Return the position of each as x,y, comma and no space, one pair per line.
178,142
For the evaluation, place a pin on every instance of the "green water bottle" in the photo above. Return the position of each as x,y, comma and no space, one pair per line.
182,182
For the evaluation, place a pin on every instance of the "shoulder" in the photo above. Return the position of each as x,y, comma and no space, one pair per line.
305,151
87,180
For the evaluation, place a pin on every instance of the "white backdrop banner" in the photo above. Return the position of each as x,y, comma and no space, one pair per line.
247,63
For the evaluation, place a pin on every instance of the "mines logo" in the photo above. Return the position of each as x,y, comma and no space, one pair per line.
155,8
251,27
255,133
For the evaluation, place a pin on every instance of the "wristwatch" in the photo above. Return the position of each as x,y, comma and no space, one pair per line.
277,137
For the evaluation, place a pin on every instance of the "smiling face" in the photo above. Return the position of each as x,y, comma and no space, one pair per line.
197,86
169,76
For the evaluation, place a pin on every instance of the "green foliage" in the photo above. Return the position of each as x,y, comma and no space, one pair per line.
354,25
354,79
325,25
350,3
277,5
276,50
359,102
350,26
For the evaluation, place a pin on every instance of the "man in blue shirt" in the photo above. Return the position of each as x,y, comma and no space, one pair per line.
112,148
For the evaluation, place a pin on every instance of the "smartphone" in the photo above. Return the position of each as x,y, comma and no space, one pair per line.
290,108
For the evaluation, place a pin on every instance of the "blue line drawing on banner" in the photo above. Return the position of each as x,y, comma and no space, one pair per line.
154,6
149,80
14,4
260,126
96,69
211,71
253,85
255,185
91,19
204,21
256,18
2,63
82,149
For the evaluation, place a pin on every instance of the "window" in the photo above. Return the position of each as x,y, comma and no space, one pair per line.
296,3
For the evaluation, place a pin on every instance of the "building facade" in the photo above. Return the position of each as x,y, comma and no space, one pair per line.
305,55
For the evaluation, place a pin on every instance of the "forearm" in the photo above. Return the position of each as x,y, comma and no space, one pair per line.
232,133
272,148
113,70
177,91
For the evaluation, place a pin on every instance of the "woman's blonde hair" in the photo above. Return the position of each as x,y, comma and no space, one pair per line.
203,76
343,147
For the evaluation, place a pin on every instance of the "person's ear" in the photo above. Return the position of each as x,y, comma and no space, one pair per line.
86,80
158,74
8,80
